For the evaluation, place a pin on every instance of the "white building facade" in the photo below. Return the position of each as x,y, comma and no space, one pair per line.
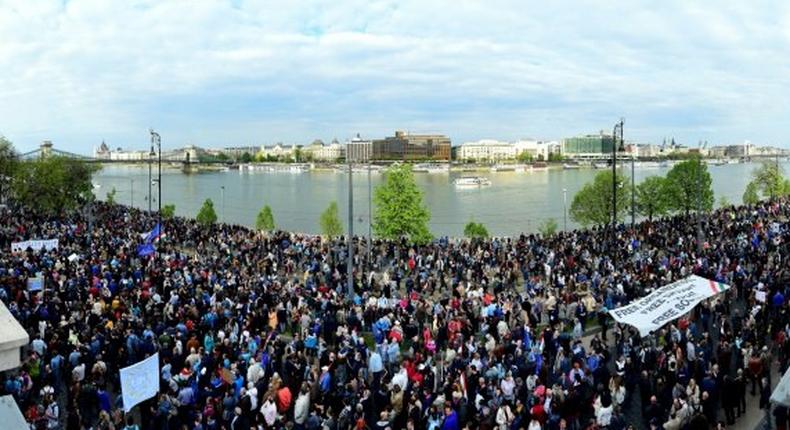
538,149
486,150
359,149
321,152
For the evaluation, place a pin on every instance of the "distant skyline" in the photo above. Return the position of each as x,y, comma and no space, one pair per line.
237,72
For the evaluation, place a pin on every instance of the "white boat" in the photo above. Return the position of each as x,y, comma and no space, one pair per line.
471,181
600,165
518,168
359,169
570,166
431,168
539,167
299,168
648,165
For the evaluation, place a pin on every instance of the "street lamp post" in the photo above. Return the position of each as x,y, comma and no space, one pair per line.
700,236
155,138
565,209
149,179
131,193
222,198
633,187
350,239
370,221
618,127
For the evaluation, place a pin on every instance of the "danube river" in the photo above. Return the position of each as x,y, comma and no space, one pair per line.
513,203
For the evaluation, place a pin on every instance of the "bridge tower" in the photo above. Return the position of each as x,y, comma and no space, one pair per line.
45,149
190,159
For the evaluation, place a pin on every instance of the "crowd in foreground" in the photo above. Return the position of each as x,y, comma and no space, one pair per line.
258,331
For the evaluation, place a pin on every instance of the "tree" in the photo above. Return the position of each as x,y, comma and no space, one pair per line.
111,196
689,186
751,196
724,202
548,228
265,219
475,230
769,180
330,221
400,211
593,203
246,158
784,190
168,211
9,160
651,197
53,184
525,157
298,155
207,215
554,156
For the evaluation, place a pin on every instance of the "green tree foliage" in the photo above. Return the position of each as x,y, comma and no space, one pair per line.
330,221
53,184
555,157
168,211
770,181
651,197
548,227
111,196
751,196
400,211
265,219
689,184
724,202
593,203
207,215
475,230
9,159
246,158
525,157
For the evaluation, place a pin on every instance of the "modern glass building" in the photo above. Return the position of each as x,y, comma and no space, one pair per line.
589,145
412,147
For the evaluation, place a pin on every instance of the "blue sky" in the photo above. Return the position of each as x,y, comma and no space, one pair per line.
221,73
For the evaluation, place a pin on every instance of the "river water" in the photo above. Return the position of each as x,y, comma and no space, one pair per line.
513,203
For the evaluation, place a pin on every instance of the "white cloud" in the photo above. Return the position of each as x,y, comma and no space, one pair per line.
222,72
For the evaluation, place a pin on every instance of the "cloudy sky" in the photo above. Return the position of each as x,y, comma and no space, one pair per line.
237,72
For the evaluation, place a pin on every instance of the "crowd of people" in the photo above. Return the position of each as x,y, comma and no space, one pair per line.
259,331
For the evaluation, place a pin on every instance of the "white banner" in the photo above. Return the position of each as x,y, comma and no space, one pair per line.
140,381
667,303
35,245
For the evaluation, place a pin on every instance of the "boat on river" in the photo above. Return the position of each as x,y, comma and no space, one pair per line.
431,168
539,167
571,165
471,182
600,165
518,168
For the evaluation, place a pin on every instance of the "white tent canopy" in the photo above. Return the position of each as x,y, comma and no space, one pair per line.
10,415
781,394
